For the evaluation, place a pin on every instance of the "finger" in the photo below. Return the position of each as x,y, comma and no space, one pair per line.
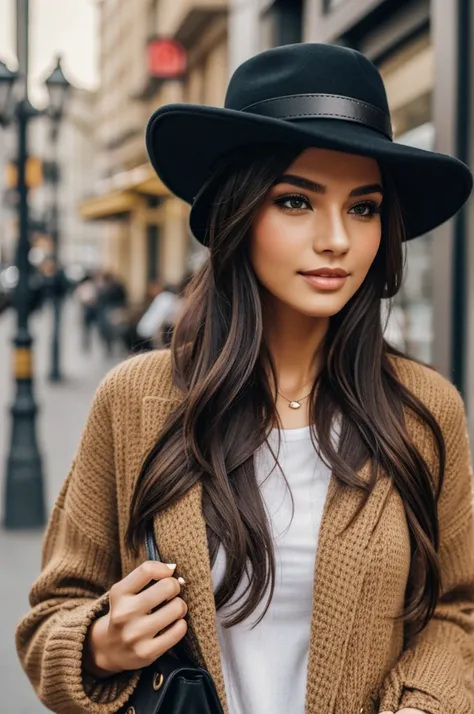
150,570
153,625
167,640
156,594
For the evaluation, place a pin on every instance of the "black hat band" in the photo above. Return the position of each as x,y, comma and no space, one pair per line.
326,106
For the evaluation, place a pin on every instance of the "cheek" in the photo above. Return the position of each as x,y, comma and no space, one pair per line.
272,254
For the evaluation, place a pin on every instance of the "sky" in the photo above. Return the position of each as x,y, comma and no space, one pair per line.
66,27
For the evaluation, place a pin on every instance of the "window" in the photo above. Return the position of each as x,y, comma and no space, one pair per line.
282,24
409,80
153,252
194,87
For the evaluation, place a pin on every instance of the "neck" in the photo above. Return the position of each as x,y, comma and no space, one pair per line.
294,341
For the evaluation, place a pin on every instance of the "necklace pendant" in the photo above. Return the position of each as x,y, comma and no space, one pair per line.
294,405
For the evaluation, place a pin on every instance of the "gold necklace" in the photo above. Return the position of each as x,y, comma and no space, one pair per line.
294,403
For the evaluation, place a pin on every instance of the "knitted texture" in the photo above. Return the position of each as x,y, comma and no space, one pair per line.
361,660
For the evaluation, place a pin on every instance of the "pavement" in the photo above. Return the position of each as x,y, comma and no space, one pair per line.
63,412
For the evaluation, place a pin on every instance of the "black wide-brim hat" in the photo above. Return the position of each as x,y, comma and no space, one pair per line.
304,95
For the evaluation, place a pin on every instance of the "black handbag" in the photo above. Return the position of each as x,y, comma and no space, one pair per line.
173,684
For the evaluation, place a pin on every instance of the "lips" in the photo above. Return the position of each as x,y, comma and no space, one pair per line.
325,278
326,273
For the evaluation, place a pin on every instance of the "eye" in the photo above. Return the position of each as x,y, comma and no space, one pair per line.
366,209
293,202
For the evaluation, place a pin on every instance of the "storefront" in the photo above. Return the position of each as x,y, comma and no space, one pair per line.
202,30
177,52
143,234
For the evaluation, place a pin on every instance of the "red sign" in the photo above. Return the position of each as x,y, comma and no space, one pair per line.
166,59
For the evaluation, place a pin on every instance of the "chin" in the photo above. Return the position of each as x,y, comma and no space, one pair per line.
329,309
320,306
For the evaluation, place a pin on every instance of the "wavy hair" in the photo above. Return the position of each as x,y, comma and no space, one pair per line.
222,365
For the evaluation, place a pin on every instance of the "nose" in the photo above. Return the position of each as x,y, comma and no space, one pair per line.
331,234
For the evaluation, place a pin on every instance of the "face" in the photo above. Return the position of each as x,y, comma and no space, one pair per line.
318,231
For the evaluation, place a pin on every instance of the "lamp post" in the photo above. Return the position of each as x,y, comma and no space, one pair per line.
24,501
58,90
24,494
7,80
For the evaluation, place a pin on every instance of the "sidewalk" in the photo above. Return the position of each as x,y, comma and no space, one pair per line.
63,411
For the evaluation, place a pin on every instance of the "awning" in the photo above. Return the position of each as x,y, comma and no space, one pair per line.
121,193
110,205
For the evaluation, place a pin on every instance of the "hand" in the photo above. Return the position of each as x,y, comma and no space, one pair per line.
128,636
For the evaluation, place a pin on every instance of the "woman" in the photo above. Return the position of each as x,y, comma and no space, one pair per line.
342,579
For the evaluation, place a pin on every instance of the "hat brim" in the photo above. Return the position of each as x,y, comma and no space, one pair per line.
184,141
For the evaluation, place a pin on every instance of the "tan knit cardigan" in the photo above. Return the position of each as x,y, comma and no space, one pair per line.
358,660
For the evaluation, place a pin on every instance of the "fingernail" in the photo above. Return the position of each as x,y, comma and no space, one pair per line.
171,566
181,581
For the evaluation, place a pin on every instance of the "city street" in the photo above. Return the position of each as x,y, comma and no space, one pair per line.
63,410
147,152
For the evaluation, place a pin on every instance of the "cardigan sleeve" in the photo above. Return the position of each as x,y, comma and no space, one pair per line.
79,565
436,671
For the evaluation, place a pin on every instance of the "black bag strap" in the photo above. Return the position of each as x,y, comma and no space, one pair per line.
152,552
182,648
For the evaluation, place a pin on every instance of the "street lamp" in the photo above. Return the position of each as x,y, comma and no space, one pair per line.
24,505
7,80
58,89
24,492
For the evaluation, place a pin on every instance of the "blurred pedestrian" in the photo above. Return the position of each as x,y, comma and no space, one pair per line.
111,302
134,342
55,280
166,329
309,486
87,294
160,313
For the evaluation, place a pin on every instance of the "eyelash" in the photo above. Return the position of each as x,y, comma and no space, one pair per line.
281,200
374,207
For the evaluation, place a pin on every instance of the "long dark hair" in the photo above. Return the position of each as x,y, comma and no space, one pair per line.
222,365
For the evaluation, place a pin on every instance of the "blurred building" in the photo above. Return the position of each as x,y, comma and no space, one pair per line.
64,169
260,25
80,242
145,231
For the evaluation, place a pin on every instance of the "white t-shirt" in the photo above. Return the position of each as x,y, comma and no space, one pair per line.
161,310
265,668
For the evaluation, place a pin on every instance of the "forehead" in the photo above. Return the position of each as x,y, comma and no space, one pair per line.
326,167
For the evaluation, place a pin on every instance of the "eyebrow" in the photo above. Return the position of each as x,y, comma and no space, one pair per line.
301,182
